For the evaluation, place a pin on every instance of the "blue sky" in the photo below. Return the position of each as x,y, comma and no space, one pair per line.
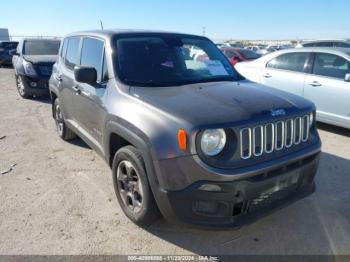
236,19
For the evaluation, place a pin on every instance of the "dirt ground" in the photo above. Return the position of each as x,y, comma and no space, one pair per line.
59,199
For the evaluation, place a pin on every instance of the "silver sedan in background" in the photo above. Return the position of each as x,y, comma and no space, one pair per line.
319,74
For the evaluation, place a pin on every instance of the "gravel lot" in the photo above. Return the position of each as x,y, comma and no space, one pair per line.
59,199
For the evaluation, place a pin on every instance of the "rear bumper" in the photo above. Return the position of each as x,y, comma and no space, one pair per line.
36,86
241,201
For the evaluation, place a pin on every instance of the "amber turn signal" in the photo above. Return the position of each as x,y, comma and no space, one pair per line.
182,139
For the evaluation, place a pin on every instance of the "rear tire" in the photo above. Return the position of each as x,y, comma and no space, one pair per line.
21,87
63,131
132,188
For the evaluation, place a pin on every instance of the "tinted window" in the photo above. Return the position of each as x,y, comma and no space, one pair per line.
72,55
249,54
325,44
41,47
309,45
342,44
331,66
170,61
229,53
292,62
92,54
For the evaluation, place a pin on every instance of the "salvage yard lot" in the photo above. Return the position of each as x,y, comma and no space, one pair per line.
58,198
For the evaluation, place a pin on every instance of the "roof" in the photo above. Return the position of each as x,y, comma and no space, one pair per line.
112,32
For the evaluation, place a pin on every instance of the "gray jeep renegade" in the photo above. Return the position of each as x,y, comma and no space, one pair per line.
184,135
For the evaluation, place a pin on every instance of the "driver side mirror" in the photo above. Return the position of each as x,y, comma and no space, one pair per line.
85,74
347,77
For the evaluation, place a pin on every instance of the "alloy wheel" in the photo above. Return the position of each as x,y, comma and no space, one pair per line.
129,185
59,119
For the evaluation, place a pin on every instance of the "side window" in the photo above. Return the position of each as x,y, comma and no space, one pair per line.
230,54
64,48
72,55
291,62
331,66
324,44
92,55
308,45
342,44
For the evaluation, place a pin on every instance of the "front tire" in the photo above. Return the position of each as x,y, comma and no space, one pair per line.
21,88
132,188
63,131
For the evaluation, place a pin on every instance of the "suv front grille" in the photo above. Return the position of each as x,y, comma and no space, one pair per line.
45,70
265,139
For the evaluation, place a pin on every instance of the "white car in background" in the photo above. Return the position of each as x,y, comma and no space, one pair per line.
324,43
321,75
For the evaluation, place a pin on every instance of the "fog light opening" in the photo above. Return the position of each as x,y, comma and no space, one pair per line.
33,84
210,187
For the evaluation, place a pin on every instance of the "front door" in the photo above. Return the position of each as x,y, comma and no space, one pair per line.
89,101
327,88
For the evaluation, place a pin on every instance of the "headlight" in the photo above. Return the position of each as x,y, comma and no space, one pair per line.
213,141
28,68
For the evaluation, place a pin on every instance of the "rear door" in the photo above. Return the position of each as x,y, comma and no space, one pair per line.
88,102
326,87
286,72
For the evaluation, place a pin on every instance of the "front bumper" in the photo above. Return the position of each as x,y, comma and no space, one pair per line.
240,201
36,86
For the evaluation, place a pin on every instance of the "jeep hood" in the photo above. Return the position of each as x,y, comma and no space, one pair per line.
221,102
35,59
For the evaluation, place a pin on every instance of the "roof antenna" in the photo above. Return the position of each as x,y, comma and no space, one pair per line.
101,24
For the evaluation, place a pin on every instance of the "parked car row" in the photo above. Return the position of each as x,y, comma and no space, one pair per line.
319,74
6,48
185,137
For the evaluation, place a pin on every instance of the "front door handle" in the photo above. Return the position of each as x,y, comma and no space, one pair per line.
314,83
267,75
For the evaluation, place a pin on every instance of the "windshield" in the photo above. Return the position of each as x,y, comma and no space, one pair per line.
41,47
249,54
170,60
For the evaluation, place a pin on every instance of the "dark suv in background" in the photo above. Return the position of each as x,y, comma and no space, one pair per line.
183,137
5,52
32,61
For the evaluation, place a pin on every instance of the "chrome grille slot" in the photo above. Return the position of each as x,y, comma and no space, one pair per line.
297,130
258,140
246,143
269,137
279,135
289,133
305,128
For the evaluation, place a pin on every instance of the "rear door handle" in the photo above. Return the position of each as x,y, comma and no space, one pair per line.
314,83
267,75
